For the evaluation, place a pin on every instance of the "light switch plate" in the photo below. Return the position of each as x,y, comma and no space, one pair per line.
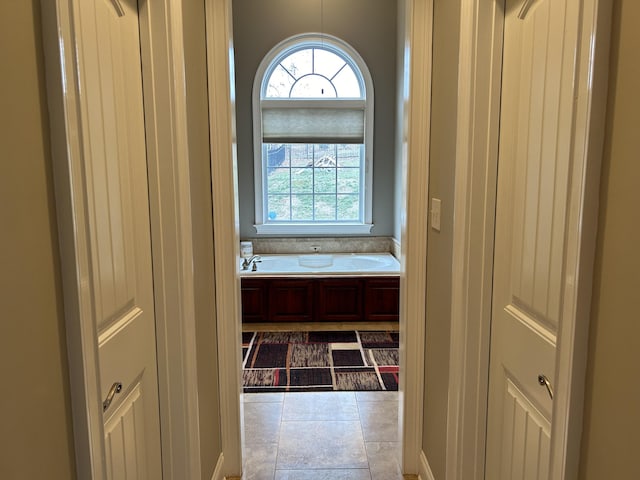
436,208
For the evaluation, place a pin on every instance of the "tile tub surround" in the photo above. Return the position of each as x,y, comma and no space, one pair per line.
321,436
325,244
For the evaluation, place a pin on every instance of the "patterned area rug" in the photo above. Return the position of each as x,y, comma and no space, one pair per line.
319,361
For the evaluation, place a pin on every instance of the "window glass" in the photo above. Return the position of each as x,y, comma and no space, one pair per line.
313,86
280,83
312,176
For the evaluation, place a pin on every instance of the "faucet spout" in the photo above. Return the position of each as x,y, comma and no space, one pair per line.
246,263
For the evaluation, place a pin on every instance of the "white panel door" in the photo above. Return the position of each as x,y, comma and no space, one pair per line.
531,223
120,250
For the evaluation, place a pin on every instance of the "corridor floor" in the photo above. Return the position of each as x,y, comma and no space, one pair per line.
321,436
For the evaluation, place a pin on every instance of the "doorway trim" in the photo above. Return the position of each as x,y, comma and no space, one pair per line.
413,276
170,215
479,80
414,227
221,86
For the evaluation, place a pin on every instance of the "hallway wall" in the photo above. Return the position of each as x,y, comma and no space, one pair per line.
446,31
36,438
612,419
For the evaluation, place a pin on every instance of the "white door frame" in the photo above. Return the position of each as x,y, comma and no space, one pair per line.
475,186
413,276
221,85
414,228
168,157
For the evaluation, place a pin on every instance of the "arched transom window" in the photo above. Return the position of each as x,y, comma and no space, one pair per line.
313,122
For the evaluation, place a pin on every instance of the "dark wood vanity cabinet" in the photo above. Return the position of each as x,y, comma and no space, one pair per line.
290,300
382,299
254,300
339,300
349,299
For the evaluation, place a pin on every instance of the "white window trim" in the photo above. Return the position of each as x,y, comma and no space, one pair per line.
313,228
336,228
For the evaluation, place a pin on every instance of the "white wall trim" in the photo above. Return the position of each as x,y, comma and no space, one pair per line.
590,92
419,17
313,228
424,472
61,35
217,472
476,160
225,227
161,28
479,80
167,152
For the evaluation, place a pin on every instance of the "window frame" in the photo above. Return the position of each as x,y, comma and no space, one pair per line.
300,42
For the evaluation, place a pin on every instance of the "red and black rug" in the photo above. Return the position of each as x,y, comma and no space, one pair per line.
319,361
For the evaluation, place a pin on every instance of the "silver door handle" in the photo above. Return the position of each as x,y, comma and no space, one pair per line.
115,388
543,380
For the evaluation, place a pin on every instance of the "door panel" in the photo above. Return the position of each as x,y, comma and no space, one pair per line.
119,243
526,437
535,135
125,439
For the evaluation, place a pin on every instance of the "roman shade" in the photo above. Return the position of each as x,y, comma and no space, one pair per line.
313,121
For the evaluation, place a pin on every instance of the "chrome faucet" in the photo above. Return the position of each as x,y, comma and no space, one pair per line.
246,263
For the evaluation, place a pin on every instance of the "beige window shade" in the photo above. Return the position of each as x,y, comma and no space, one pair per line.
313,125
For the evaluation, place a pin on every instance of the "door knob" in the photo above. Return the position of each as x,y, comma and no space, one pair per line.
115,388
544,381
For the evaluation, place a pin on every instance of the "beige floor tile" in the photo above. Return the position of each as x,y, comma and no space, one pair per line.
333,474
379,421
259,462
384,463
379,396
321,445
262,422
263,397
320,406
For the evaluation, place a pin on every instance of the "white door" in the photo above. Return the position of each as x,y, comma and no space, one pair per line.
120,250
531,223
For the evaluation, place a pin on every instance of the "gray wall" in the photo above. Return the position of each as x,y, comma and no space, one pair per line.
36,438
439,255
367,25
612,396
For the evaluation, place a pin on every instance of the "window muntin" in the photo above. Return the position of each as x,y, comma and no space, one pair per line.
313,72
313,182
313,112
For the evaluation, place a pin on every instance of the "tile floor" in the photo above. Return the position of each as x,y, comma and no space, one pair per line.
321,436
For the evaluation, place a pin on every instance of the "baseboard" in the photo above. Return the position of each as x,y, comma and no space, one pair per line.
424,472
217,472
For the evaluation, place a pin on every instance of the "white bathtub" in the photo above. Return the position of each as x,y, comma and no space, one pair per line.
344,264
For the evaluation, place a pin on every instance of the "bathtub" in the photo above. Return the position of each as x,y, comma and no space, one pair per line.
320,264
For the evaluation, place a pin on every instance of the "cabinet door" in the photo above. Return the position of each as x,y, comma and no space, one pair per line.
254,300
291,300
382,299
339,300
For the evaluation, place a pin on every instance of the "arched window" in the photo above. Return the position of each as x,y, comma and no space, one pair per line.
313,146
